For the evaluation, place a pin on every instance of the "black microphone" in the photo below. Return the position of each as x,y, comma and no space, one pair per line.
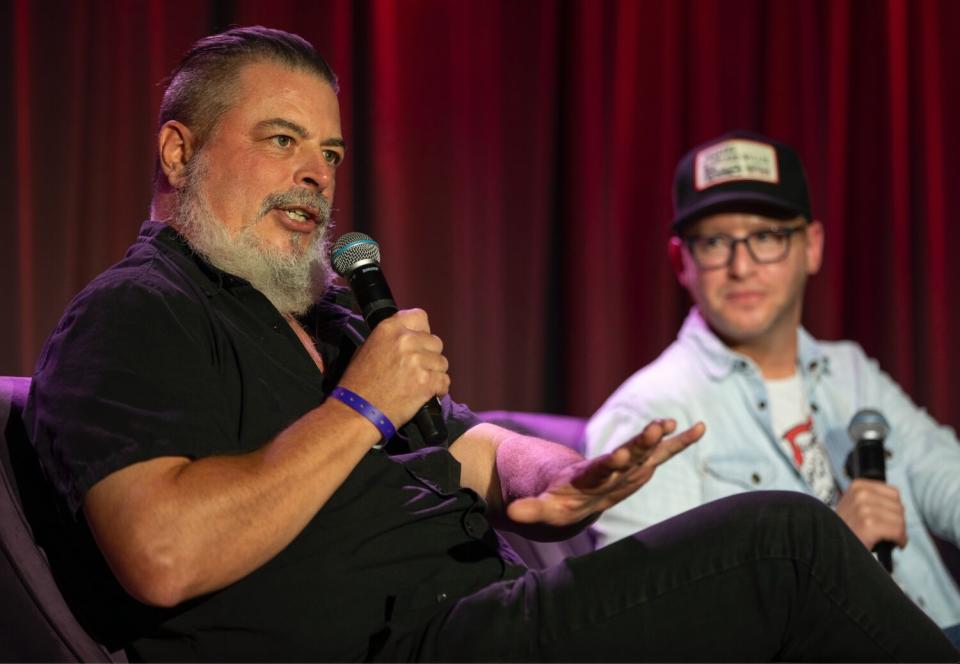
356,258
867,430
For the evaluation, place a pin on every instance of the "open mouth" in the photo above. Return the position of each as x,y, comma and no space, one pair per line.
299,219
300,214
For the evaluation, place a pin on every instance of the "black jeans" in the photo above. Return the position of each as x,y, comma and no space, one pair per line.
758,577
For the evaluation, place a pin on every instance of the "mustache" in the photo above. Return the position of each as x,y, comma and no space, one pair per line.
301,197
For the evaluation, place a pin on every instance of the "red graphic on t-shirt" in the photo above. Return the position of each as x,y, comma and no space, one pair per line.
792,436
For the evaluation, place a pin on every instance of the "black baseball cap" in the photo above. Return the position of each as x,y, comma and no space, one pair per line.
740,171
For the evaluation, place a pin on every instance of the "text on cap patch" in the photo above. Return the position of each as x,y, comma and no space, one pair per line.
736,159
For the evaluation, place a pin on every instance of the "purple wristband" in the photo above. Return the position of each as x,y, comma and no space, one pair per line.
368,410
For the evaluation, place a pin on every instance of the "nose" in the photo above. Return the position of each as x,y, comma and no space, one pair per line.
317,174
741,262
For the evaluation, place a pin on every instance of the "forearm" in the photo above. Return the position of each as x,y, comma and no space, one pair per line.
172,529
503,466
933,474
526,465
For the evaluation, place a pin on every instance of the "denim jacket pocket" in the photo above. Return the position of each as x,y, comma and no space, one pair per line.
725,475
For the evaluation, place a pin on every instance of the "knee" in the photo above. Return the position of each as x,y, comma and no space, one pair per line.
775,511
747,516
795,516
784,503
782,506
771,524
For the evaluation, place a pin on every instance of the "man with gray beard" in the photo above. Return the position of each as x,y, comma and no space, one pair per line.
219,433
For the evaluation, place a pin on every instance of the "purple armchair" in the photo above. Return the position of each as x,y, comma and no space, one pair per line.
36,624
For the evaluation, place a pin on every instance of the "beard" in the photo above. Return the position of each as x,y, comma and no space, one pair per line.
292,280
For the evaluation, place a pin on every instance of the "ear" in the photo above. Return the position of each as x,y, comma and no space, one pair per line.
675,254
814,247
175,146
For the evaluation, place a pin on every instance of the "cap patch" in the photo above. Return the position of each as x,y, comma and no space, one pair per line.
735,160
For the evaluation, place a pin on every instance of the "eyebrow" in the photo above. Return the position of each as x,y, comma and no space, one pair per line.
299,130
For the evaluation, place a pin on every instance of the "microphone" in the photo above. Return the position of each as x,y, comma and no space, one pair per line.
868,429
356,258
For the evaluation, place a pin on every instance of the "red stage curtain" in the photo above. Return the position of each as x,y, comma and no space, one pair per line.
515,159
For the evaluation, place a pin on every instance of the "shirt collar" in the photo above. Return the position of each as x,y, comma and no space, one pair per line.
167,236
327,319
719,360
812,357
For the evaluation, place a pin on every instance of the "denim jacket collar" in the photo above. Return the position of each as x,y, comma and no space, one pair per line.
719,360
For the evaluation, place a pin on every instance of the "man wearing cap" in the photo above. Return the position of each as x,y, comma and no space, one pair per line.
776,401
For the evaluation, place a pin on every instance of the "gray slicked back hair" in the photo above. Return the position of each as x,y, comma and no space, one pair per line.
202,85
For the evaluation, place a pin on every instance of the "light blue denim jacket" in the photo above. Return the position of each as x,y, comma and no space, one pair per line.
699,378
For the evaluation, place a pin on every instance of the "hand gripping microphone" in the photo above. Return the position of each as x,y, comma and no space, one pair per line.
867,430
356,258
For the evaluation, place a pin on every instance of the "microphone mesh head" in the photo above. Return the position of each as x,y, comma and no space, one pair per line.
868,424
352,249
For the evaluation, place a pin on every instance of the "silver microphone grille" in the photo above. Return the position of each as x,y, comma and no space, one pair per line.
868,424
352,249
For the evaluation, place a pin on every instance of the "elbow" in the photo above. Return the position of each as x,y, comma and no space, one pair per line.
157,589
154,574
136,521
155,593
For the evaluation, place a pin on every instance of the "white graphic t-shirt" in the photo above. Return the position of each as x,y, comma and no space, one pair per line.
793,423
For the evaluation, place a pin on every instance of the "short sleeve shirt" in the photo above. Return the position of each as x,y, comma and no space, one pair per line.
165,355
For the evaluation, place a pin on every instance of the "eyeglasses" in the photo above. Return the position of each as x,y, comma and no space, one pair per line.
766,246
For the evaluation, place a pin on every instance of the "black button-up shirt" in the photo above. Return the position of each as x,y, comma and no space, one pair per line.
165,355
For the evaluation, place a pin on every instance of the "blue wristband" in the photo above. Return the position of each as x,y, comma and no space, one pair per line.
368,410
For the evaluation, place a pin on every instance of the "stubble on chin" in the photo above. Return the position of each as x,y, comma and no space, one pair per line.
292,279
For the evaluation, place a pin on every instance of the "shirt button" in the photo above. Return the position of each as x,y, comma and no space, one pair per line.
814,407
755,478
441,597
475,525
761,405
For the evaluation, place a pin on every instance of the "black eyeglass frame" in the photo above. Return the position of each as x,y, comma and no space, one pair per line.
732,242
